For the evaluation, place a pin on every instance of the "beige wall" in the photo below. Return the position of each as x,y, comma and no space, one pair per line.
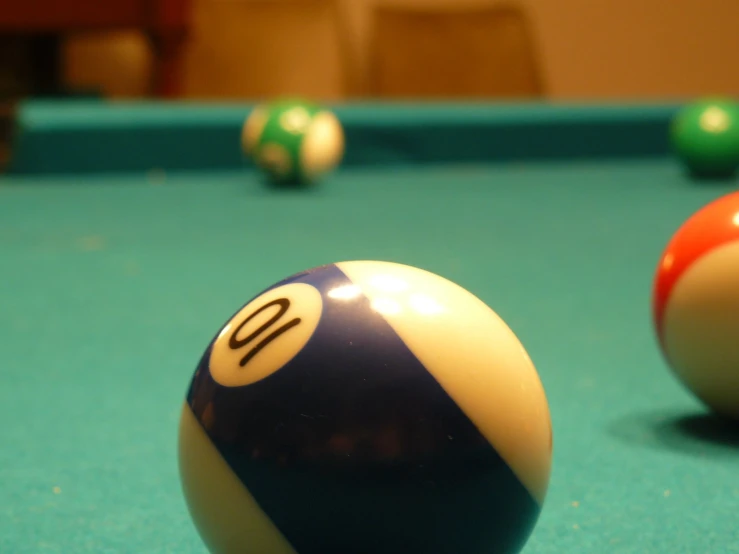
647,48
588,48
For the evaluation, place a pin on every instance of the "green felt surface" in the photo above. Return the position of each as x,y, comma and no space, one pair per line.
111,287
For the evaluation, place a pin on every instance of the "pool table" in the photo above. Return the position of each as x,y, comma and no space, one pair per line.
131,231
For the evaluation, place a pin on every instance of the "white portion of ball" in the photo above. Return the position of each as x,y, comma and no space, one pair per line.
295,120
252,129
473,355
701,329
275,159
323,145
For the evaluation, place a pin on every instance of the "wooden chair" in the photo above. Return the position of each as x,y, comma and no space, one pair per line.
262,48
453,52
118,64
47,22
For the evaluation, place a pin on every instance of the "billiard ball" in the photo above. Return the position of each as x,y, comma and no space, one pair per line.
696,304
293,141
705,137
365,407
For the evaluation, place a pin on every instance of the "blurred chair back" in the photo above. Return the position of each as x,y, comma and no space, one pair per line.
118,64
453,52
257,49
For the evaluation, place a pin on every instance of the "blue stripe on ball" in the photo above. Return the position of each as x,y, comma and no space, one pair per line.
355,435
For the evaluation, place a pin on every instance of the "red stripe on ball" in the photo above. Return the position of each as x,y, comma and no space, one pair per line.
714,225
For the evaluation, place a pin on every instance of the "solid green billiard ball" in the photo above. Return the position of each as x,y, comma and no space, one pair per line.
365,407
293,141
705,137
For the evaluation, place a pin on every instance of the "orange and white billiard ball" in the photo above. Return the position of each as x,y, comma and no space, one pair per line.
696,304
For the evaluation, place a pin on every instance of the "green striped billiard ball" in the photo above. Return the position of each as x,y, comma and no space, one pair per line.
365,407
705,137
293,141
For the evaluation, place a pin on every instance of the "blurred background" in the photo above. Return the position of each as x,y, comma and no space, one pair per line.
334,50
